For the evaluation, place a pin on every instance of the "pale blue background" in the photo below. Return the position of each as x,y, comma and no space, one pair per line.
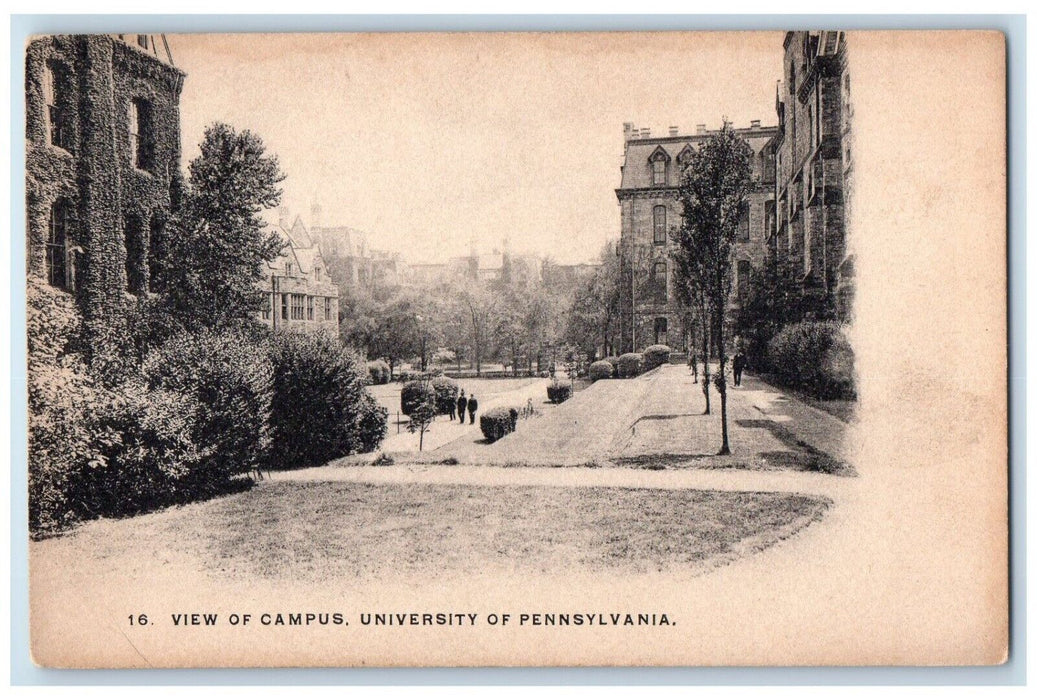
23,672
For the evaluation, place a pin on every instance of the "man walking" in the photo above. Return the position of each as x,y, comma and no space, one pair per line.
462,403
738,365
473,406
693,360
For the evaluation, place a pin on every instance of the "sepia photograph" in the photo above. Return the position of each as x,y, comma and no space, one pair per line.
681,348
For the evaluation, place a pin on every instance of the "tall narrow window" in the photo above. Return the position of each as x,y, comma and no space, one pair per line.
743,278
660,330
327,308
284,307
140,134
133,236
57,244
659,172
55,99
659,279
743,227
156,254
309,308
659,224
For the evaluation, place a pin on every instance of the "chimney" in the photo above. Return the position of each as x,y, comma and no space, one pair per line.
673,131
629,132
646,133
700,128
754,124
282,218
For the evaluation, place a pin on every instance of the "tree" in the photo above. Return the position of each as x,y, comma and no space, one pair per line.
397,334
479,305
714,192
595,313
422,415
218,248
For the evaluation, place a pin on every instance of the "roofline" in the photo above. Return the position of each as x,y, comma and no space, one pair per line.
761,130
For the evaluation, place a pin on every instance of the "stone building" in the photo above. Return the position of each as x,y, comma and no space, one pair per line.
649,309
102,165
814,167
301,295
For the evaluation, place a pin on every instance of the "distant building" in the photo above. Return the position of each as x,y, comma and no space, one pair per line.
102,165
301,295
649,309
352,264
814,168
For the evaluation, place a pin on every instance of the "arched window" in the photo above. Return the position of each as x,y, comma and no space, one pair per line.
660,330
659,224
58,231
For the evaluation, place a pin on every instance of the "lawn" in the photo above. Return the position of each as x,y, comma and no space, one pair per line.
311,531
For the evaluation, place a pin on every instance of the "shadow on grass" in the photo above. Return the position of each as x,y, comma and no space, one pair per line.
803,456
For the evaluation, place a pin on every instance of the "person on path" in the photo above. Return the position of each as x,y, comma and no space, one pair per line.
529,408
473,406
738,365
462,403
693,360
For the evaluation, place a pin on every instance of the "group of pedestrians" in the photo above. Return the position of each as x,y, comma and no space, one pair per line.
465,403
738,363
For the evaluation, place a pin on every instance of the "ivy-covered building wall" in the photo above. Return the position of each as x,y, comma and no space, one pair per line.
102,169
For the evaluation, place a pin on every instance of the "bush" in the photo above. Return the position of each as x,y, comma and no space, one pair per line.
557,392
412,394
230,378
815,357
498,422
444,357
628,365
656,355
601,370
378,370
321,409
446,394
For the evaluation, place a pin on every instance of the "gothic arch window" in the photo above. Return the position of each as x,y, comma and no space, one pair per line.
58,230
658,162
140,133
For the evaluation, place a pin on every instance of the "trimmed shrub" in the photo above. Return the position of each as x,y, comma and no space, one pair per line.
815,357
230,378
601,370
444,357
558,392
321,409
378,370
446,394
498,422
628,365
412,394
656,355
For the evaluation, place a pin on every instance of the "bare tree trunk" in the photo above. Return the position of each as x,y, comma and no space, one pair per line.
725,448
705,358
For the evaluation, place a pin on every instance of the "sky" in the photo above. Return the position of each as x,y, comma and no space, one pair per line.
433,143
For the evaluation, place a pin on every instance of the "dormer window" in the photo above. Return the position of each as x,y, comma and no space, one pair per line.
658,161
659,172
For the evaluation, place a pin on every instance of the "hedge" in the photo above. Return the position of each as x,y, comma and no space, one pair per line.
814,357
628,365
321,409
601,370
446,394
412,394
378,371
656,355
557,393
498,422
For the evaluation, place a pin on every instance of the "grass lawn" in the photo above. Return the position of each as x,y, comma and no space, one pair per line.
310,531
